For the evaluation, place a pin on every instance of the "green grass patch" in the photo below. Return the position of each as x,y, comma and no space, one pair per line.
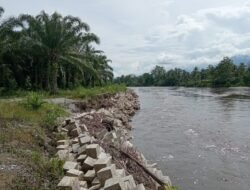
27,140
77,93
19,111
81,93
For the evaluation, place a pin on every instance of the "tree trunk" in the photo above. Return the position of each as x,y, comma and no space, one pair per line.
47,75
54,73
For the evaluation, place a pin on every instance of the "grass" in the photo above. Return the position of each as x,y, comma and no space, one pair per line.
77,93
17,111
27,141
81,93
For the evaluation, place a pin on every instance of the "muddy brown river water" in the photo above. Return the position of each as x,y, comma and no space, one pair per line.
200,137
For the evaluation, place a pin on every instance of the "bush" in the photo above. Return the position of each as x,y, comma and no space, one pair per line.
51,116
34,100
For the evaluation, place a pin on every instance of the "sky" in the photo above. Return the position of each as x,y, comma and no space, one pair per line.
139,34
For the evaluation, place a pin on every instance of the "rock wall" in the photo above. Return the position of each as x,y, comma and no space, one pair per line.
98,151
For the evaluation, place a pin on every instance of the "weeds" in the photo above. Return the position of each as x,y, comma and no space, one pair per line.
42,173
46,115
26,138
76,93
34,100
81,93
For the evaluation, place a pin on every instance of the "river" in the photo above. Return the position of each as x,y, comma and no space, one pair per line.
200,137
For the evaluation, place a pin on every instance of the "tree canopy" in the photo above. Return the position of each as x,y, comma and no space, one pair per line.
48,52
225,74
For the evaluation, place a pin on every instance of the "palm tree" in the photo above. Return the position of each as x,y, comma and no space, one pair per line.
50,51
60,40
8,40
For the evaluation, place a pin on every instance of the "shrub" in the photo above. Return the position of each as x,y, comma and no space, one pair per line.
52,114
34,100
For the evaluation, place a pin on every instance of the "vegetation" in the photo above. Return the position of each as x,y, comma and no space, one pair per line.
80,93
225,74
27,145
47,52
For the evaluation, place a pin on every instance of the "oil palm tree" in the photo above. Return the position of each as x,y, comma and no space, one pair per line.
8,40
59,41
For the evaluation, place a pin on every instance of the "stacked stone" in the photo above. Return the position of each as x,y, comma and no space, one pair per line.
87,166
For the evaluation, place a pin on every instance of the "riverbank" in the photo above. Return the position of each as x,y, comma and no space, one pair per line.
104,124
29,138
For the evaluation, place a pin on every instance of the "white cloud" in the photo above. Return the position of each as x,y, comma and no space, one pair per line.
204,37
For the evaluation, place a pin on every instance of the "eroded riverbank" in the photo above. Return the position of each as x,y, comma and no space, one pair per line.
102,125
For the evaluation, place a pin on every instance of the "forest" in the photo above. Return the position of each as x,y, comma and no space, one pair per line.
224,74
50,52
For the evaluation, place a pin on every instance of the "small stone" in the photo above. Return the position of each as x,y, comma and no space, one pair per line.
120,172
71,157
84,140
62,147
74,173
159,173
63,154
82,150
69,183
74,141
89,176
139,187
166,180
95,187
71,126
84,128
75,132
69,165
96,181
83,184
63,130
79,116
62,142
103,155
102,163
106,173
93,150
114,184
88,164
81,158
129,182
75,147
81,135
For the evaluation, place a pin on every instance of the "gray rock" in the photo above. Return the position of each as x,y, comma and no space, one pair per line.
69,183
114,184
84,140
69,165
81,158
93,150
88,163
102,163
129,182
89,176
106,173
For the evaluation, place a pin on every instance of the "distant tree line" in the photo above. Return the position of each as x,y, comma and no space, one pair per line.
47,52
225,74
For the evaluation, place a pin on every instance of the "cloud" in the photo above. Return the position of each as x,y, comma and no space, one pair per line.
205,37
139,34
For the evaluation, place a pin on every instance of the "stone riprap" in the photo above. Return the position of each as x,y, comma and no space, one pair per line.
90,161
